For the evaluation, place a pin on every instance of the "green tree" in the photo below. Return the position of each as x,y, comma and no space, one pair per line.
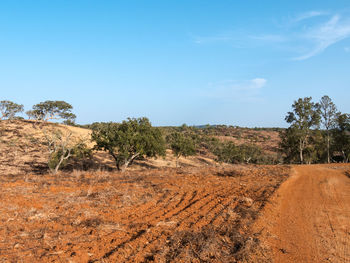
305,115
250,153
246,153
341,135
181,145
9,109
227,153
328,118
52,110
289,145
129,140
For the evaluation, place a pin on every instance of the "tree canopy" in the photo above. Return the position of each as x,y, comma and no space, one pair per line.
181,144
306,141
305,115
52,110
9,109
328,113
246,153
341,135
131,139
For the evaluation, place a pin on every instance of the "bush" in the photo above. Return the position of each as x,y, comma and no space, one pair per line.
245,153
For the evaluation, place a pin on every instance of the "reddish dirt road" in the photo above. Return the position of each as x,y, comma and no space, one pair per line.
308,219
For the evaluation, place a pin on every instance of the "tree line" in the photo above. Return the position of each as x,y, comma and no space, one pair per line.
318,133
43,111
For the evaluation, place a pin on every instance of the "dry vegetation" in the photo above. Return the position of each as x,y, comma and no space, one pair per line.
23,150
22,145
165,215
202,212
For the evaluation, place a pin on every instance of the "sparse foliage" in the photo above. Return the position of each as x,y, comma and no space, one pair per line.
181,145
51,110
59,148
129,140
9,109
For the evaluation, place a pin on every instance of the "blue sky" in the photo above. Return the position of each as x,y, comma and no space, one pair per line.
196,62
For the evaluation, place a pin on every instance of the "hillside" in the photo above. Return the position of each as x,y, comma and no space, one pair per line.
23,147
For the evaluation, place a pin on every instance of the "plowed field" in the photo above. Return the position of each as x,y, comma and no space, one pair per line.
156,215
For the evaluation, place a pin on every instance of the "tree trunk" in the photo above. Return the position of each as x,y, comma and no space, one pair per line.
127,162
115,159
61,160
58,165
345,159
301,152
328,142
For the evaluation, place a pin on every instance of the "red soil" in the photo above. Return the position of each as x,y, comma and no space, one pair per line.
156,215
308,219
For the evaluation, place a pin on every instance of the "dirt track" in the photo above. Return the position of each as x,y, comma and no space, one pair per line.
308,220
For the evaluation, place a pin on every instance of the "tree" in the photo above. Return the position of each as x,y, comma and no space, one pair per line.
227,153
304,116
181,145
246,153
59,147
9,109
51,110
328,118
250,153
129,140
341,135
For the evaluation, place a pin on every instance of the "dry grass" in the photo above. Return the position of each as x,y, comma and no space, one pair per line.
166,215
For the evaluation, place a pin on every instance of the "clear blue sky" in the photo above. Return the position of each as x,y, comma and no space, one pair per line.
196,62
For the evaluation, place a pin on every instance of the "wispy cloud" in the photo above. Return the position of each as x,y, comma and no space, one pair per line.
257,83
306,38
248,90
308,15
347,49
325,35
270,38
211,39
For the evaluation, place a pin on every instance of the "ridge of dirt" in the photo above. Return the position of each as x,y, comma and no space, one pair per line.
308,219
165,215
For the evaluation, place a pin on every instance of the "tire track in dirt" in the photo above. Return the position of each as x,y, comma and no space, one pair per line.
145,241
155,232
161,236
148,218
